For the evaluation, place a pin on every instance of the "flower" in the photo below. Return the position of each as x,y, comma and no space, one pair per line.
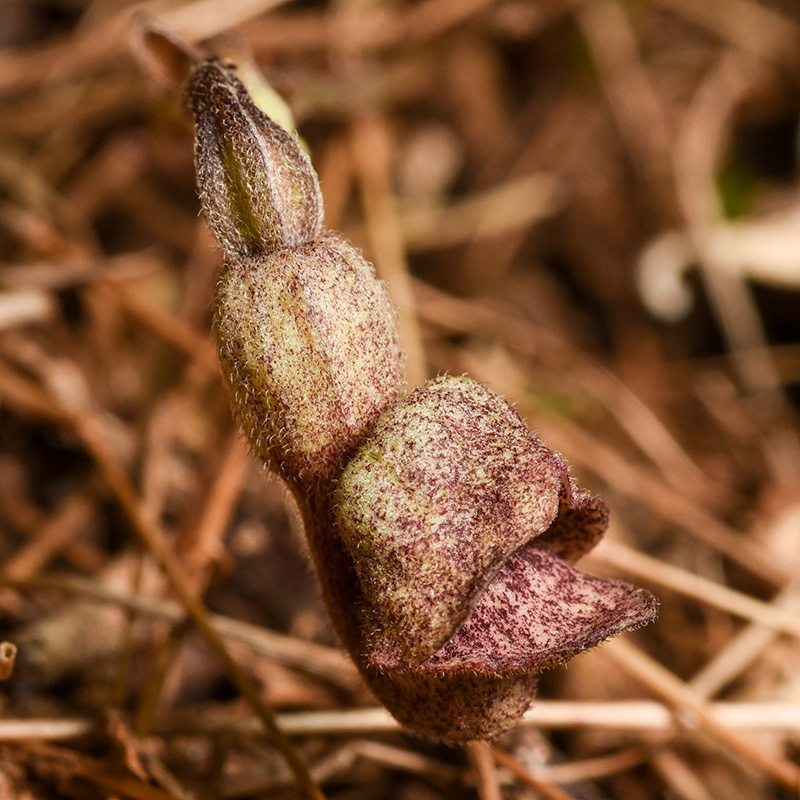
442,530
463,529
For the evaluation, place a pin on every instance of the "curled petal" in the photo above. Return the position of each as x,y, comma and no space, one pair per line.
581,522
448,487
536,613
539,612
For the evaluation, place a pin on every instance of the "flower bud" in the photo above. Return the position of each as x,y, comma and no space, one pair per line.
450,484
462,528
306,332
309,349
258,188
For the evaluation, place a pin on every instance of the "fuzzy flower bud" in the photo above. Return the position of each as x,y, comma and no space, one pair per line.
257,185
309,350
306,332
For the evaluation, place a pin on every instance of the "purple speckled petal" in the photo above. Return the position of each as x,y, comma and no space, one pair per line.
449,485
539,612
582,520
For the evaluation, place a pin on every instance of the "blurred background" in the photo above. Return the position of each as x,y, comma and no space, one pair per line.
590,205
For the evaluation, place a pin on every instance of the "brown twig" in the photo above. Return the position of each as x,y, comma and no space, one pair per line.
372,155
545,788
483,769
693,712
94,441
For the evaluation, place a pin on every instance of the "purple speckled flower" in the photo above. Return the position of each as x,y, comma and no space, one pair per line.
442,531
463,528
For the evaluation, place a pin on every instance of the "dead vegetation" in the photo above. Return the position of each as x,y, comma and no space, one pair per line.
590,206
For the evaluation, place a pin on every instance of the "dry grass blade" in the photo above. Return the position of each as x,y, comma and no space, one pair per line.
173,330
371,154
694,712
640,115
593,768
744,649
95,772
544,788
679,776
751,26
54,535
484,770
638,716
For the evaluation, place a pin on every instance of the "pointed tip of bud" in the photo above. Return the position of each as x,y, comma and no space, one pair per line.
258,188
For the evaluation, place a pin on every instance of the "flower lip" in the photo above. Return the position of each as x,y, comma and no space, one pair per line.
539,612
